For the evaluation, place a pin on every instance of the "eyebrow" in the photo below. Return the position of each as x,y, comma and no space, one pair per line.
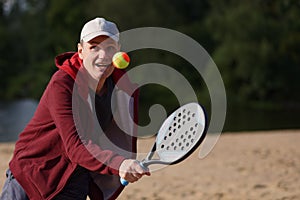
92,43
96,43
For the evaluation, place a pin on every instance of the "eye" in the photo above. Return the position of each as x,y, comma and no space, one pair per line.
94,48
111,49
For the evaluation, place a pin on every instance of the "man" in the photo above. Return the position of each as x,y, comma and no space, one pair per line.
72,147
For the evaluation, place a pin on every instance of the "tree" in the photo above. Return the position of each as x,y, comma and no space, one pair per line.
256,44
35,31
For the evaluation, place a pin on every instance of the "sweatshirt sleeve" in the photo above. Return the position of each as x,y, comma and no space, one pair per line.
84,153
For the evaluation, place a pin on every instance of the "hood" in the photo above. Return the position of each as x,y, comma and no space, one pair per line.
69,62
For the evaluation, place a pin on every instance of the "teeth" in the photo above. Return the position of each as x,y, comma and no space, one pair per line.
102,65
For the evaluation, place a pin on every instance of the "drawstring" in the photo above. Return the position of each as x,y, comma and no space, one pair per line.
9,175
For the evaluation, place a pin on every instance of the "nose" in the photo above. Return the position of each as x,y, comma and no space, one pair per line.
102,54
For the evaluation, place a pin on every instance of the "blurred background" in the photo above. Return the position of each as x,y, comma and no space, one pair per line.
255,44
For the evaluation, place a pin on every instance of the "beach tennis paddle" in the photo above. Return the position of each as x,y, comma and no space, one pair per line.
178,137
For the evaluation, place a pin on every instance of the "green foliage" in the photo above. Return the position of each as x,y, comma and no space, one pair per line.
255,44
35,31
64,20
256,47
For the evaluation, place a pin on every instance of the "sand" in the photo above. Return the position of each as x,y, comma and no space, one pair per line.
248,165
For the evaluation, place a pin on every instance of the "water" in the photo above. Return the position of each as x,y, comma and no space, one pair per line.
13,118
15,115
242,119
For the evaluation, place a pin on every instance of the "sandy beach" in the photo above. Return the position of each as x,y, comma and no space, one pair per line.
248,165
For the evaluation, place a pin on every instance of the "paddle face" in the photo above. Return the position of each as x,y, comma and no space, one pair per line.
181,133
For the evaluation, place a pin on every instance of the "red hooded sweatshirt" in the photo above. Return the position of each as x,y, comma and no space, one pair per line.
50,148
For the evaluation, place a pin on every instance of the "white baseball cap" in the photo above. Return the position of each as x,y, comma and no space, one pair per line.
99,26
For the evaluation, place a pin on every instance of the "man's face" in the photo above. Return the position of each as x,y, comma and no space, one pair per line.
97,56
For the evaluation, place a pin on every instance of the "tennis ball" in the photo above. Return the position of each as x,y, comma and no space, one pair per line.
121,60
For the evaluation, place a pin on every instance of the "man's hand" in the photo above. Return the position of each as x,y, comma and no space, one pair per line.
131,170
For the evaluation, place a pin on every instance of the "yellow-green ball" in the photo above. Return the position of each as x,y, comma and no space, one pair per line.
121,60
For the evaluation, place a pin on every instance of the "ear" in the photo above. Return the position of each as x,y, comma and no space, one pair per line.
79,50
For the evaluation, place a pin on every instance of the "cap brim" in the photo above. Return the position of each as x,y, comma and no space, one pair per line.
91,36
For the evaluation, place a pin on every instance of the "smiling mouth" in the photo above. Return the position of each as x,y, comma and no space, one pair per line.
103,64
